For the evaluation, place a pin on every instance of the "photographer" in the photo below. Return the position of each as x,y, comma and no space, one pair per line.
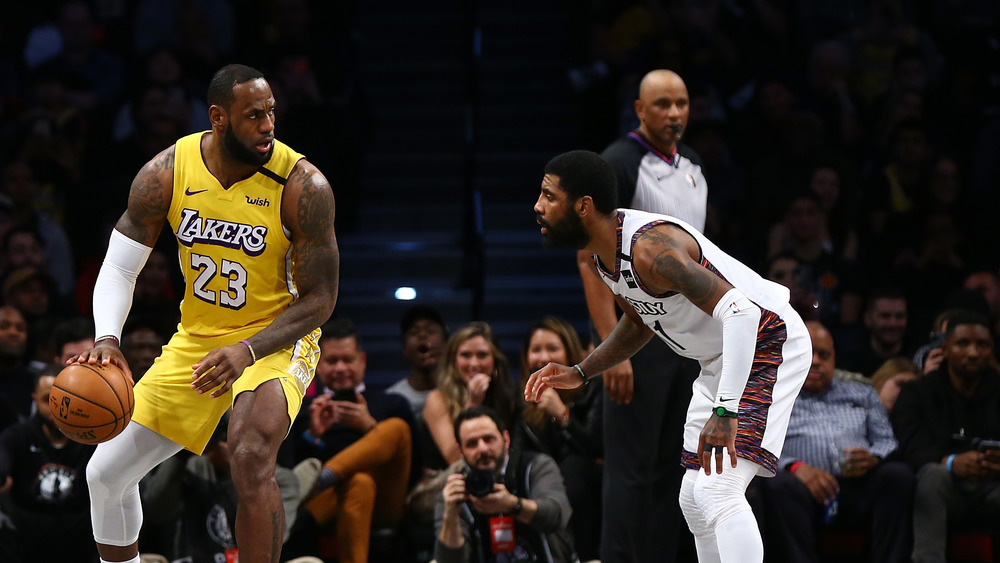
506,505
941,421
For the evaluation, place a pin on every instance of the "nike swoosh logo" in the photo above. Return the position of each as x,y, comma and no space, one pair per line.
188,191
725,400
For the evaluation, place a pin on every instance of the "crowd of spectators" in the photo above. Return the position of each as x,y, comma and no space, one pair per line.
850,149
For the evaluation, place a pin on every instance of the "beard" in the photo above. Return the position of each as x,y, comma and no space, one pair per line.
241,152
568,232
482,462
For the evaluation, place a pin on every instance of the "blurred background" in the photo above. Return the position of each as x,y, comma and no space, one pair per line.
433,121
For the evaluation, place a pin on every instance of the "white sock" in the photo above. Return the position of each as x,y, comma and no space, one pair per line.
133,560
739,539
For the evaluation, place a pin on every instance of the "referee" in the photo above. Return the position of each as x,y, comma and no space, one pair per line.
649,395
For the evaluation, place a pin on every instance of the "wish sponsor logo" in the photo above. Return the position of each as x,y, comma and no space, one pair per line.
259,201
195,228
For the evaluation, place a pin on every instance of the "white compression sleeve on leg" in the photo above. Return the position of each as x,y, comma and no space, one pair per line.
740,321
113,475
725,514
116,282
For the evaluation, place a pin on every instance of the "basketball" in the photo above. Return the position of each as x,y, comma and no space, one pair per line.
91,403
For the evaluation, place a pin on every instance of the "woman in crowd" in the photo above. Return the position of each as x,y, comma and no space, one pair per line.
473,372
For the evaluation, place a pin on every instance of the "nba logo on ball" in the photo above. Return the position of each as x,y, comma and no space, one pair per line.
91,403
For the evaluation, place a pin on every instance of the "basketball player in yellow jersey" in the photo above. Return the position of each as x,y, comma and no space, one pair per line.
254,225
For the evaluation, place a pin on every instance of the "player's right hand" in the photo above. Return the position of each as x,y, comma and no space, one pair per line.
821,484
104,352
619,383
552,376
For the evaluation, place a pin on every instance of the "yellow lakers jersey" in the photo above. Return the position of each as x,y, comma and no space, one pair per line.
233,251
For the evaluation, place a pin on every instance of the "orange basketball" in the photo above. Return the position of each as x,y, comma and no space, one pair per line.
91,403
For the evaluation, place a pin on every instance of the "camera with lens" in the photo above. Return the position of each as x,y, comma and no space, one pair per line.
478,482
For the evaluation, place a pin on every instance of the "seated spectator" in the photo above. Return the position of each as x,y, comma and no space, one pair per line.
142,342
833,466
886,320
71,338
27,197
927,358
567,425
32,293
784,268
473,373
154,297
424,334
17,380
889,379
191,501
805,236
506,505
24,247
44,473
987,282
939,420
362,437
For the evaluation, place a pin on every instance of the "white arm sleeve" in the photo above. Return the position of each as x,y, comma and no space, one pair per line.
116,282
740,321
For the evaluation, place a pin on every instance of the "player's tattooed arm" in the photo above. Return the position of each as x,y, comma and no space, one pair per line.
625,339
149,199
308,210
667,257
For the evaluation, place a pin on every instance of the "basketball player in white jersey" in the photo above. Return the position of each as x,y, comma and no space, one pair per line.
674,283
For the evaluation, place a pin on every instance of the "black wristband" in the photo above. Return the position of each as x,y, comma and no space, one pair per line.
517,507
582,375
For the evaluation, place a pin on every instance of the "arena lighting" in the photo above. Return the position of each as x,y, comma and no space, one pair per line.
406,293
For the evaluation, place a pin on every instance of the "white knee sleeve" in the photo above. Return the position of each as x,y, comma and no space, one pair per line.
720,496
692,514
113,477
719,516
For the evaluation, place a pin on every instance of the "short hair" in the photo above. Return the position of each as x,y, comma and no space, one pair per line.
884,292
964,317
584,173
220,88
340,329
420,313
71,330
476,412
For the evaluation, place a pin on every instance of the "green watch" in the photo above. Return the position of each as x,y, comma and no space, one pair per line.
721,411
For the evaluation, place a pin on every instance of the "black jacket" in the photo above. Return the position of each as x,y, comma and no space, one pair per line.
929,416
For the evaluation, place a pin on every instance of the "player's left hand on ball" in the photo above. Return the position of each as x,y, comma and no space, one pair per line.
219,369
553,375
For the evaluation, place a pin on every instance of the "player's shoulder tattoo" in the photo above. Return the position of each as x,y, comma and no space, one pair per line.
152,187
671,262
315,207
